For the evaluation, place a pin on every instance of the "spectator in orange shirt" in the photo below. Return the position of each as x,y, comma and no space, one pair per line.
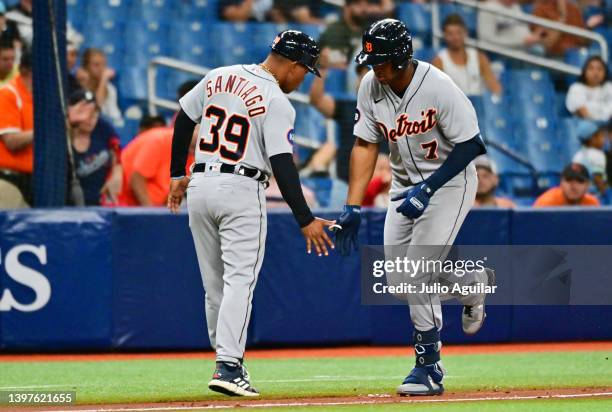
571,192
146,167
488,180
16,137
562,11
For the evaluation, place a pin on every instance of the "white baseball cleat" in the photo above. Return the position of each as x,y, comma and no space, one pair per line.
473,316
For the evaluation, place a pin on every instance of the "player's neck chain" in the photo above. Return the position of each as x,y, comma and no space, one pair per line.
268,71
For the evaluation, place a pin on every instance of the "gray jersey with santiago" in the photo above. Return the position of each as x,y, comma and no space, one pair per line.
245,117
421,128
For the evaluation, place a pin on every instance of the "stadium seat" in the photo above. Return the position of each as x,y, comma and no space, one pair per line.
143,33
416,16
114,10
188,32
203,10
542,145
469,15
133,83
197,54
154,10
425,54
101,32
336,81
568,140
77,13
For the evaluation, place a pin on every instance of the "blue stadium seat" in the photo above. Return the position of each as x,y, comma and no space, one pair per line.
425,54
534,105
264,33
336,81
309,123
568,140
188,32
469,15
155,10
530,81
142,33
99,33
416,16
203,10
197,54
133,83
542,145
115,10
77,13
497,122
140,56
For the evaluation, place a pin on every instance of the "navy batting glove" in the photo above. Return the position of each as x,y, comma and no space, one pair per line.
346,238
415,201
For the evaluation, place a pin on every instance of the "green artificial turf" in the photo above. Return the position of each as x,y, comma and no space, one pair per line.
539,405
185,380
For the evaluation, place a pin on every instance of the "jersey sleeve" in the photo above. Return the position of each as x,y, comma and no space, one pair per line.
455,113
278,127
193,102
365,126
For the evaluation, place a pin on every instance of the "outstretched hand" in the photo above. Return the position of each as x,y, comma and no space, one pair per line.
315,234
177,192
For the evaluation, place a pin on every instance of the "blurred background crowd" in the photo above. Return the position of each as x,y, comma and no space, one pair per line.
548,131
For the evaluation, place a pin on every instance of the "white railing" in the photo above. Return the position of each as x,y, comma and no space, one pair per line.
547,62
154,101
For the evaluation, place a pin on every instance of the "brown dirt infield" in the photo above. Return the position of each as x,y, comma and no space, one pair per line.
448,397
353,351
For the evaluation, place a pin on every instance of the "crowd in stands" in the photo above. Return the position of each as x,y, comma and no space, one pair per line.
118,166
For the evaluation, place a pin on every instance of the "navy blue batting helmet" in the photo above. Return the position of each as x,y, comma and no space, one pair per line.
387,40
298,47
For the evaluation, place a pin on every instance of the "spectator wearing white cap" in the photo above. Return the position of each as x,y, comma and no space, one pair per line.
488,181
592,156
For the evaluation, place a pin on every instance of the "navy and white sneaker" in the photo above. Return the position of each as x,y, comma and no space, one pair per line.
232,380
423,381
473,316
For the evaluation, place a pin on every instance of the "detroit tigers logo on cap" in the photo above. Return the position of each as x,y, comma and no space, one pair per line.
357,115
291,136
368,47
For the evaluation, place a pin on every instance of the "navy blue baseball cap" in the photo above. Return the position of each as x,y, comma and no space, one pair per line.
298,47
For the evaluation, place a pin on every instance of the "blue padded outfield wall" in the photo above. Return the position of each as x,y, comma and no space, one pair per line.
128,278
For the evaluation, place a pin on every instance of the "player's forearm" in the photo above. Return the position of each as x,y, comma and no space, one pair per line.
288,182
183,132
363,161
458,159
138,183
17,141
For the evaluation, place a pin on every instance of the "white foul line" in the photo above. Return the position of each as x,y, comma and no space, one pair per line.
331,403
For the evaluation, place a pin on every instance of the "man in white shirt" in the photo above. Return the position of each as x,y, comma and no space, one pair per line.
502,30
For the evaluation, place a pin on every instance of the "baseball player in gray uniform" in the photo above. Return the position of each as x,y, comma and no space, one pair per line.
246,134
433,136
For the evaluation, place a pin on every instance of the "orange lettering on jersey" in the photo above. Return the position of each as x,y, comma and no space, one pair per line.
244,95
218,83
406,127
230,83
209,91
